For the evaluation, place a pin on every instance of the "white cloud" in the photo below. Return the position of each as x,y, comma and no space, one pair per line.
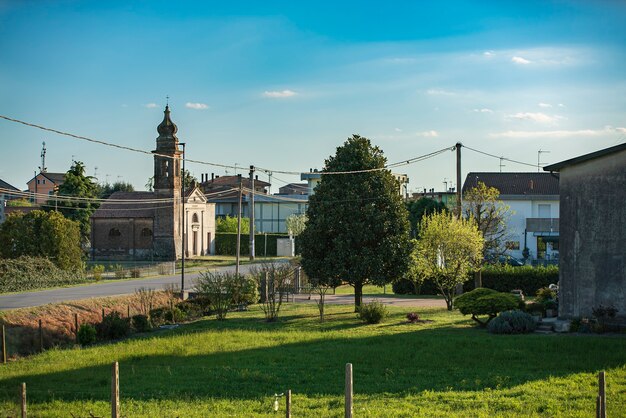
397,129
489,54
428,134
561,105
439,92
196,106
520,60
150,105
483,110
558,133
545,105
535,117
279,94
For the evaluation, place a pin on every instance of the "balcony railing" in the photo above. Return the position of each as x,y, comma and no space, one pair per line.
542,224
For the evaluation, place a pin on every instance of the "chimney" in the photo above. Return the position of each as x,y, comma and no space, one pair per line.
256,177
212,176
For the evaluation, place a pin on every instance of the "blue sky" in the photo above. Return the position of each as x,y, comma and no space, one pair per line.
282,84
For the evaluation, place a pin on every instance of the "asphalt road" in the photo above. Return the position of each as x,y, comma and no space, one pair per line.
109,288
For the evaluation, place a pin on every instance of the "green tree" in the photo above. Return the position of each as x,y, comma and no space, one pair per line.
421,207
482,204
357,229
229,224
42,234
296,223
83,188
447,250
106,190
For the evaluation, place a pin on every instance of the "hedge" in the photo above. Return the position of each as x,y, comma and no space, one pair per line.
506,278
226,244
29,273
501,278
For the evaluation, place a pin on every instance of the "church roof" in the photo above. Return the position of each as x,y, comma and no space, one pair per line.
129,205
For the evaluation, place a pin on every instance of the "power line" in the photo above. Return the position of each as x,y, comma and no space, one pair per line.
499,157
267,170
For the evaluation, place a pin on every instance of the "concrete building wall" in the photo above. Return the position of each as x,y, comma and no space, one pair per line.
593,236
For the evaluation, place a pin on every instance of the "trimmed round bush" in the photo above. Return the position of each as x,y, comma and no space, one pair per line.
483,301
373,312
512,322
86,334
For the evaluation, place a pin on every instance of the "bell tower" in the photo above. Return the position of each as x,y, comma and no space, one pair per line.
167,238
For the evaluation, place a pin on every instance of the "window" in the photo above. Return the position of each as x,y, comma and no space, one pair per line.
38,181
146,232
44,181
512,245
114,232
194,218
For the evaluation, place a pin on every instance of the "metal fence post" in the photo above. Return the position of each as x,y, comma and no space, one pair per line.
349,408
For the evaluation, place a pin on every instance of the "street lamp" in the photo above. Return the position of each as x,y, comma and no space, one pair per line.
182,269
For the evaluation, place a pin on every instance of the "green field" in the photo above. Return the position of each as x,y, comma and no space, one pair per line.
233,368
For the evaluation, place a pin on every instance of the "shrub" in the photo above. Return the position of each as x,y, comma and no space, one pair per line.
505,278
545,294
141,323
412,317
86,334
120,272
372,313
483,301
196,307
29,273
404,287
96,272
161,316
534,307
135,272
225,289
226,244
512,322
113,327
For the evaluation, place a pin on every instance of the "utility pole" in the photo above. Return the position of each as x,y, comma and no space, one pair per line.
238,226
182,265
251,209
501,164
458,179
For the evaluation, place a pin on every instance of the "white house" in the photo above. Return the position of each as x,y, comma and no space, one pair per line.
534,202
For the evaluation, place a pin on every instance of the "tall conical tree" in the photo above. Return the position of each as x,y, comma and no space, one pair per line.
357,229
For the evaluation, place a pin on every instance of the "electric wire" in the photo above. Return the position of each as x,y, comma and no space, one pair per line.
500,158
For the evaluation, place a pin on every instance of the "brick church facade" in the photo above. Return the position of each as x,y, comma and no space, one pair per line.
149,225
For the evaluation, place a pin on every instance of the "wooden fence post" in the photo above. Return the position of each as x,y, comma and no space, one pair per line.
102,314
602,394
23,398
4,346
40,336
266,286
349,408
288,404
128,311
115,391
76,324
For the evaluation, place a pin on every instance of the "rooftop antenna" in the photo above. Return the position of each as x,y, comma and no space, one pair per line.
539,158
95,172
501,163
43,167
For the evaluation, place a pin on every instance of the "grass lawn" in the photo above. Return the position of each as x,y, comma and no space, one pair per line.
234,367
